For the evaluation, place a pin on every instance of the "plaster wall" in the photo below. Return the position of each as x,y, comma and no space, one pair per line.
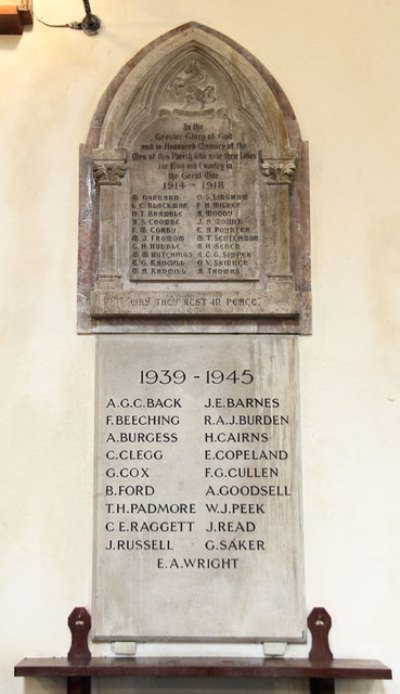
338,63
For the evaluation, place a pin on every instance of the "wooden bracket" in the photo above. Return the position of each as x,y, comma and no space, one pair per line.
79,622
319,623
78,685
320,685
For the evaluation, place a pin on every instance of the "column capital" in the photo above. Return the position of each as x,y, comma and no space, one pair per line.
278,170
109,166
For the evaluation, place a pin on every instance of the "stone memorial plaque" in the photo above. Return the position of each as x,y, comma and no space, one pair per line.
194,196
198,528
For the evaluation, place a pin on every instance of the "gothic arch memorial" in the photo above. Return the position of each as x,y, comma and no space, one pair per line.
194,196
194,219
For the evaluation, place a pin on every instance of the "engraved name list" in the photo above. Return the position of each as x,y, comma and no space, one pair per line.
197,475
193,187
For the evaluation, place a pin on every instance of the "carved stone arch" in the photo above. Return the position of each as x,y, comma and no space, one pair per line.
194,77
243,94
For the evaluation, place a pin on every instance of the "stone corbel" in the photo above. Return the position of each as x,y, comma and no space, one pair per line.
279,173
109,168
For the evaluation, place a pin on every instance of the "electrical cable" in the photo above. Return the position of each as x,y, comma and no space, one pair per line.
90,24
70,25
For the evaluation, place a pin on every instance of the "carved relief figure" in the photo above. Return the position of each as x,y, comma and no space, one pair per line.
192,87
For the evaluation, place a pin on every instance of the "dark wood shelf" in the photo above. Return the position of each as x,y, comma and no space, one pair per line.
320,668
320,674
263,668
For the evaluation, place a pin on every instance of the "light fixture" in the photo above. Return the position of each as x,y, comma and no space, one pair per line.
90,24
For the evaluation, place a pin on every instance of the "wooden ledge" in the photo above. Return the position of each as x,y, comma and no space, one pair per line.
13,18
299,668
320,668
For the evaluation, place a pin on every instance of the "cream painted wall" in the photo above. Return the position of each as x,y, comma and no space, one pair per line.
339,64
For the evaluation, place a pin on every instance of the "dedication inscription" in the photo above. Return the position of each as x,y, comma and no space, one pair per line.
192,200
198,499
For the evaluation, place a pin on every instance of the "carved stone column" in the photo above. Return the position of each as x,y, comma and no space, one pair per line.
109,167
279,174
